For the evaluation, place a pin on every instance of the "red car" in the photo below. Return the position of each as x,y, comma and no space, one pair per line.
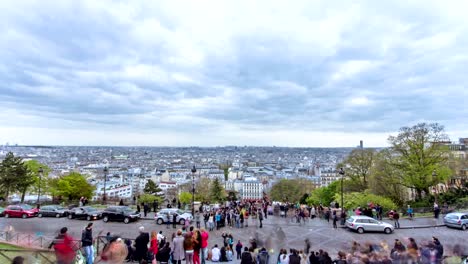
20,210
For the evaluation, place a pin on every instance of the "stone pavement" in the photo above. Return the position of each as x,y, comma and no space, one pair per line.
276,232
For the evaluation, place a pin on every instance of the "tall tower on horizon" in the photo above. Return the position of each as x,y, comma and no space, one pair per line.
361,144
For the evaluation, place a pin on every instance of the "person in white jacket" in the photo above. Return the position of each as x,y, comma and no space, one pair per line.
284,257
215,253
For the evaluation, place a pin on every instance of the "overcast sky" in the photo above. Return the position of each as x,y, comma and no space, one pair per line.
209,73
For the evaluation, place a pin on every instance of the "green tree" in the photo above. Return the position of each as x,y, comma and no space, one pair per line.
33,167
362,199
73,186
324,195
149,198
358,167
12,173
217,191
419,156
226,174
203,190
290,190
285,191
384,179
153,189
185,197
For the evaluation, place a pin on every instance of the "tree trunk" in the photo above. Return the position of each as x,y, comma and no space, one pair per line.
23,194
419,194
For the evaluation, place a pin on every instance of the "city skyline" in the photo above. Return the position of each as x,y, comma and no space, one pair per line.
221,73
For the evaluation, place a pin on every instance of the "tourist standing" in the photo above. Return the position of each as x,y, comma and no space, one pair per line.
396,219
196,239
204,245
141,244
239,249
87,243
178,252
145,209
188,247
154,245
260,218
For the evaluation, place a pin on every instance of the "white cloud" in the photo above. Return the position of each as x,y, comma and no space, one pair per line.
230,72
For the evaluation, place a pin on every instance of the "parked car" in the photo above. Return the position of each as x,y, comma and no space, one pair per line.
120,213
52,211
162,216
1,211
20,210
457,220
363,224
84,212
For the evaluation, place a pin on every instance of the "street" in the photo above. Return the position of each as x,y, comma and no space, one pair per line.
276,232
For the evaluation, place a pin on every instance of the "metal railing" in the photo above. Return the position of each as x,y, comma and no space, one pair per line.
36,246
30,255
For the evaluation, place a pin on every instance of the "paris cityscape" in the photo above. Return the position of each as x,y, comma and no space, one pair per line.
243,131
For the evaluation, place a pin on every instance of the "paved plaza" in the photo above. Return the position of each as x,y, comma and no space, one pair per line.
276,232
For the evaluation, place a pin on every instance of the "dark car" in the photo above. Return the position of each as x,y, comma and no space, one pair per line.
20,210
120,213
52,211
84,212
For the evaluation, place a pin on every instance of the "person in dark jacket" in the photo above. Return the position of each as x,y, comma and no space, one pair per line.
223,255
263,257
164,254
141,245
239,249
313,258
146,209
174,221
87,243
246,257
294,257
440,249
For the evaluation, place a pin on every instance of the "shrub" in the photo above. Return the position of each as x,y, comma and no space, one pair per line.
358,199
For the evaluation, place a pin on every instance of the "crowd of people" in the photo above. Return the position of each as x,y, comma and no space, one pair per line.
190,243
191,246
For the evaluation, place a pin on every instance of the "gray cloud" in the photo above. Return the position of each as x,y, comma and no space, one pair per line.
365,67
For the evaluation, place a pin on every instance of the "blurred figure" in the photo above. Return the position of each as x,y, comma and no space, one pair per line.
18,260
115,253
141,244
63,247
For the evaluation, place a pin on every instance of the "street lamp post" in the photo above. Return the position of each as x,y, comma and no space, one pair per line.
40,171
342,173
104,198
194,170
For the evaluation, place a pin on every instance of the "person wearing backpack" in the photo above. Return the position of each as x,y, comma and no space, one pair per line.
246,257
263,257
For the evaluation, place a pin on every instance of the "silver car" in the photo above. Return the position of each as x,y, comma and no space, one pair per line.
457,220
363,224
167,214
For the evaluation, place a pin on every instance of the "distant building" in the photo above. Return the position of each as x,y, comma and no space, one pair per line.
113,190
165,185
252,189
